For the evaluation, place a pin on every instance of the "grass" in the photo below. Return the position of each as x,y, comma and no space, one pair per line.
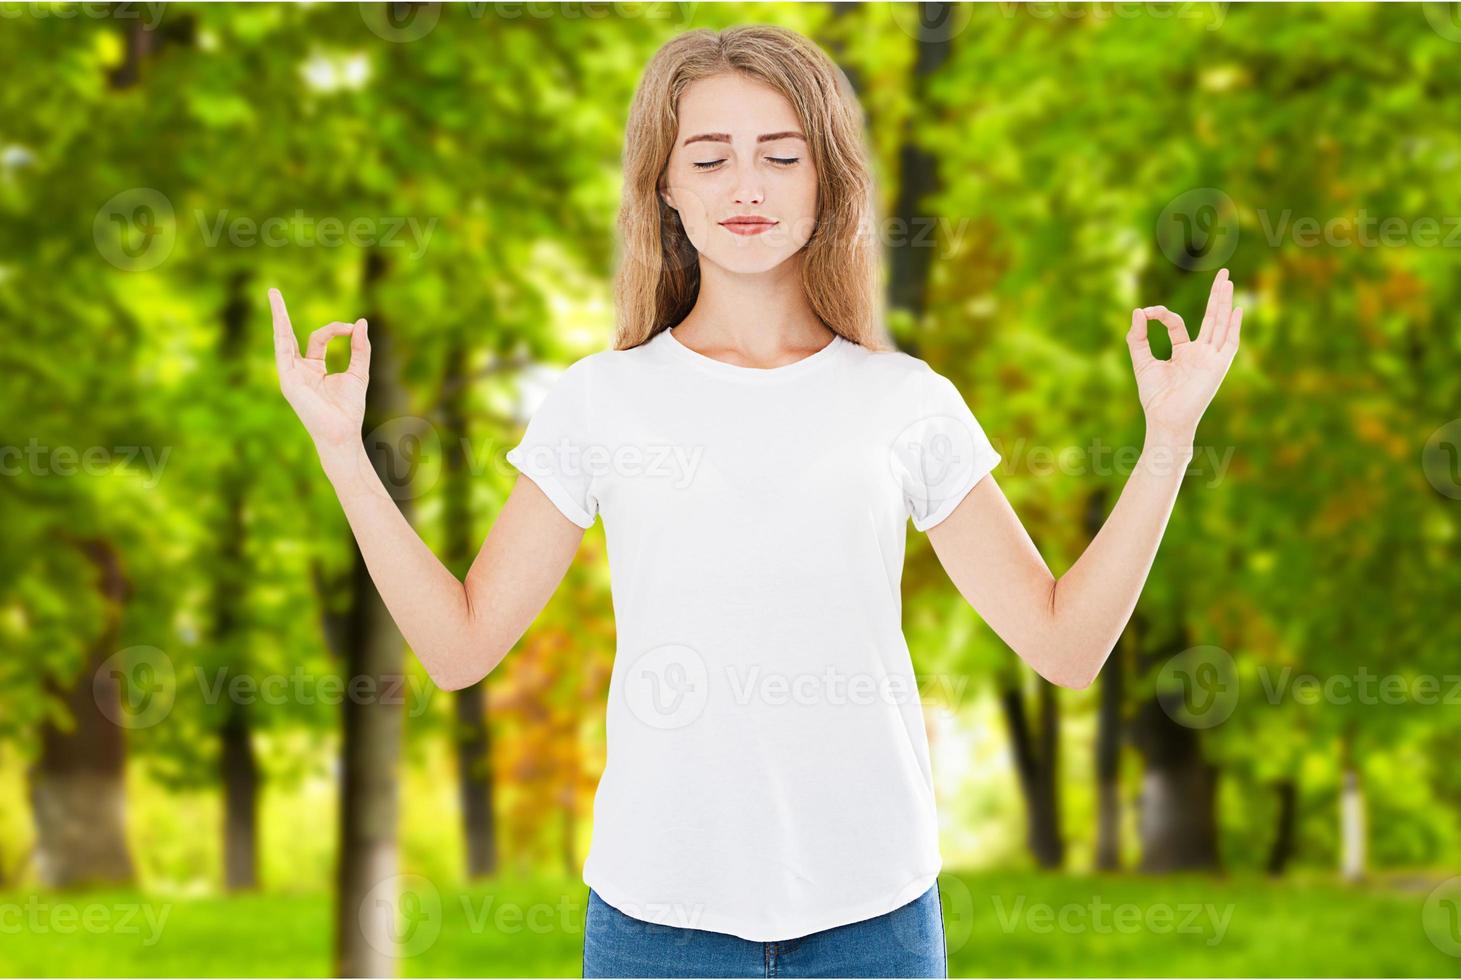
999,924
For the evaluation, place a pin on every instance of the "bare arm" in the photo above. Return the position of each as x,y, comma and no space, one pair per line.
459,631
1065,628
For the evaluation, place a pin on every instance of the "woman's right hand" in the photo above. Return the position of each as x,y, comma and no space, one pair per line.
331,406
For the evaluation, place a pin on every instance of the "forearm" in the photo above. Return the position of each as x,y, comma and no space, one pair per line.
428,603
1093,601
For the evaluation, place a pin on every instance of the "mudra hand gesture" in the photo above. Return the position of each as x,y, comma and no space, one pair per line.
331,406
1174,393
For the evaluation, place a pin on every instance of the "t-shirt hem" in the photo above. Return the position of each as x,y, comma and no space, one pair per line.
712,921
556,493
954,499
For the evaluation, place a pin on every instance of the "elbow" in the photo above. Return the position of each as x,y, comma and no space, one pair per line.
1081,670
455,672
1074,668
467,661
1067,665
1073,678
449,682
1078,681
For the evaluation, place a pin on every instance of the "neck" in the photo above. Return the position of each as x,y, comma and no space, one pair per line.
758,315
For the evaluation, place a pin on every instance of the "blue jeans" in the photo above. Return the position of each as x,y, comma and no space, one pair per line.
906,942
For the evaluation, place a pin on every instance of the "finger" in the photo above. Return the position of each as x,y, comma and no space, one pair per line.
1136,342
1224,311
1176,329
1223,318
320,339
360,351
286,345
1209,314
1230,339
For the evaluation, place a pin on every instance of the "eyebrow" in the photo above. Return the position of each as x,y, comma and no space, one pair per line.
725,137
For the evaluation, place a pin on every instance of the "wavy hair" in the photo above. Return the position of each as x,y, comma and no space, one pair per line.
658,277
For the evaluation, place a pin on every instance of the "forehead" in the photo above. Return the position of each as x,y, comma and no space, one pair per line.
734,104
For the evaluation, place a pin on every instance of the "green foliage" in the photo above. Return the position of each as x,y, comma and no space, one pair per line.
480,163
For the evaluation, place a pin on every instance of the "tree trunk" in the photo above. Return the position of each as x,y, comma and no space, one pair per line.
918,179
1036,758
1179,792
474,769
77,784
240,777
238,769
78,781
835,43
367,886
1353,833
1283,837
1110,720
1109,723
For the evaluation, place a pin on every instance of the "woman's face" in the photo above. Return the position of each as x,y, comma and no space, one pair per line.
740,153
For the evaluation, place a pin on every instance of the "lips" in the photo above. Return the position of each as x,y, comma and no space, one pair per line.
748,225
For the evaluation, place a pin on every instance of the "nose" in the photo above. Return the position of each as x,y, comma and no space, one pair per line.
749,189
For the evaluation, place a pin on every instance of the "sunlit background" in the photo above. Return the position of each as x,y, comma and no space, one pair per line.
1263,780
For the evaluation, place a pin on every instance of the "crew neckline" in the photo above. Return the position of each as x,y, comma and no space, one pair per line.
740,372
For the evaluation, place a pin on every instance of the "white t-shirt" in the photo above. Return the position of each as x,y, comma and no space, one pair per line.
767,769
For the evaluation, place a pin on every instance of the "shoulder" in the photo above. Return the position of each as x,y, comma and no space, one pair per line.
897,372
586,371
612,363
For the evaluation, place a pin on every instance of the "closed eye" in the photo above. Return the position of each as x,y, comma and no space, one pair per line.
779,161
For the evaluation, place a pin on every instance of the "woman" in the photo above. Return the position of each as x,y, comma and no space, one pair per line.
756,447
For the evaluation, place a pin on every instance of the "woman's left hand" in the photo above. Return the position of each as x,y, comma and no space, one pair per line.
1174,393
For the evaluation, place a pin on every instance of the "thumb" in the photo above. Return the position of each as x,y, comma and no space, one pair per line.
1136,342
360,350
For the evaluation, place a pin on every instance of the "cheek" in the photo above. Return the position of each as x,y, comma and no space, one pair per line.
692,205
808,189
685,187
804,196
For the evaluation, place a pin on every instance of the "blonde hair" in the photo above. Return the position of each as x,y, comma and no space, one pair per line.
658,277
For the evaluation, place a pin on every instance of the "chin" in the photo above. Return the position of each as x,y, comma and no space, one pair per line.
750,260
